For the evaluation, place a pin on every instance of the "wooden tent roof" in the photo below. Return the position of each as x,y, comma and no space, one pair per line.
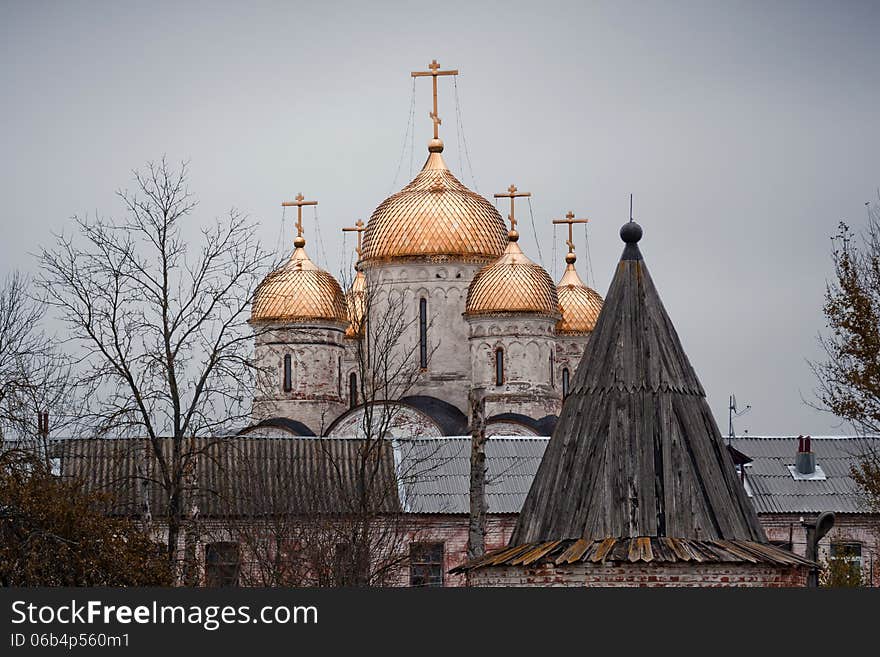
636,451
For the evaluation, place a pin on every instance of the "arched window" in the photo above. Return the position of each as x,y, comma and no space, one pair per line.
288,373
499,367
565,382
352,390
552,368
423,333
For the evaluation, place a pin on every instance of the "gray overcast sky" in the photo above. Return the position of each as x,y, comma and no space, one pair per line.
745,130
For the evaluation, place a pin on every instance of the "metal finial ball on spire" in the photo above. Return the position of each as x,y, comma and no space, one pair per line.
631,232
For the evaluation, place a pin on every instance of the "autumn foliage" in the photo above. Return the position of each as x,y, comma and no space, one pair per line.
52,534
849,378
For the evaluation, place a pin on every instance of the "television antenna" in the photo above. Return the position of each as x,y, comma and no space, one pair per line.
733,413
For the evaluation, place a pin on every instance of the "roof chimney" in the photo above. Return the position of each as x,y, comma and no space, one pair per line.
805,463
43,424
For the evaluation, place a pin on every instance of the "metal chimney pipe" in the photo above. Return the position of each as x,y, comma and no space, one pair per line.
805,461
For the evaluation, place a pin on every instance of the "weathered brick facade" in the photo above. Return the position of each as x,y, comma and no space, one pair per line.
641,575
858,528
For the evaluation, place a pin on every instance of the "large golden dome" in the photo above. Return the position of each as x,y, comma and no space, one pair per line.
299,291
434,216
512,284
580,304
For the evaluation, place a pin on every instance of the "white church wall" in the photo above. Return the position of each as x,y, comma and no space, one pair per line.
400,421
317,393
568,354
527,342
444,286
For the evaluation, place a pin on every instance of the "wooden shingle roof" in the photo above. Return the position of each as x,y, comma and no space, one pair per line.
636,451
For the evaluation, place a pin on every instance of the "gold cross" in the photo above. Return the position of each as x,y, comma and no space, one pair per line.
571,221
299,203
434,72
359,227
512,194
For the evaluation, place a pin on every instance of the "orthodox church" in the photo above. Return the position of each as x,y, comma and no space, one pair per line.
443,305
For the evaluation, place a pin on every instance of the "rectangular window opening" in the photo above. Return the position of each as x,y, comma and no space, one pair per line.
222,564
426,564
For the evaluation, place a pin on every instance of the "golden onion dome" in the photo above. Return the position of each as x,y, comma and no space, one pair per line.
299,291
355,302
580,304
512,284
435,216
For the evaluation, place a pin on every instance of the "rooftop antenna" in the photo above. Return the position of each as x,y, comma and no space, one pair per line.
733,413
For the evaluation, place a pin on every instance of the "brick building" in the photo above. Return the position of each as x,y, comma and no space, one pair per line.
635,487
436,503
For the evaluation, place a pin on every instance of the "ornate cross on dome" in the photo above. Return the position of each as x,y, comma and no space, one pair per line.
512,194
434,72
571,221
299,203
359,228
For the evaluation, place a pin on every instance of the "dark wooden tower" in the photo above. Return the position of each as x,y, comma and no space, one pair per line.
636,451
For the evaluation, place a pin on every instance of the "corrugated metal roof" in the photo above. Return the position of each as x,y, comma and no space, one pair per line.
512,463
433,473
773,488
440,468
235,476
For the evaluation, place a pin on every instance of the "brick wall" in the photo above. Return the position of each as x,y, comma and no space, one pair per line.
641,575
863,529
452,531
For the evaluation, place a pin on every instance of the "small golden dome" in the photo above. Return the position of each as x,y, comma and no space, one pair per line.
355,302
299,291
512,284
580,304
434,216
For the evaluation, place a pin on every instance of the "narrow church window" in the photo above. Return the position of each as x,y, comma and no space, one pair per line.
426,564
222,564
288,374
423,333
565,382
352,390
339,376
499,366
552,373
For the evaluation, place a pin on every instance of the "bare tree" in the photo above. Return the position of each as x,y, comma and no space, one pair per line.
34,375
336,518
290,507
164,348
478,504
388,367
